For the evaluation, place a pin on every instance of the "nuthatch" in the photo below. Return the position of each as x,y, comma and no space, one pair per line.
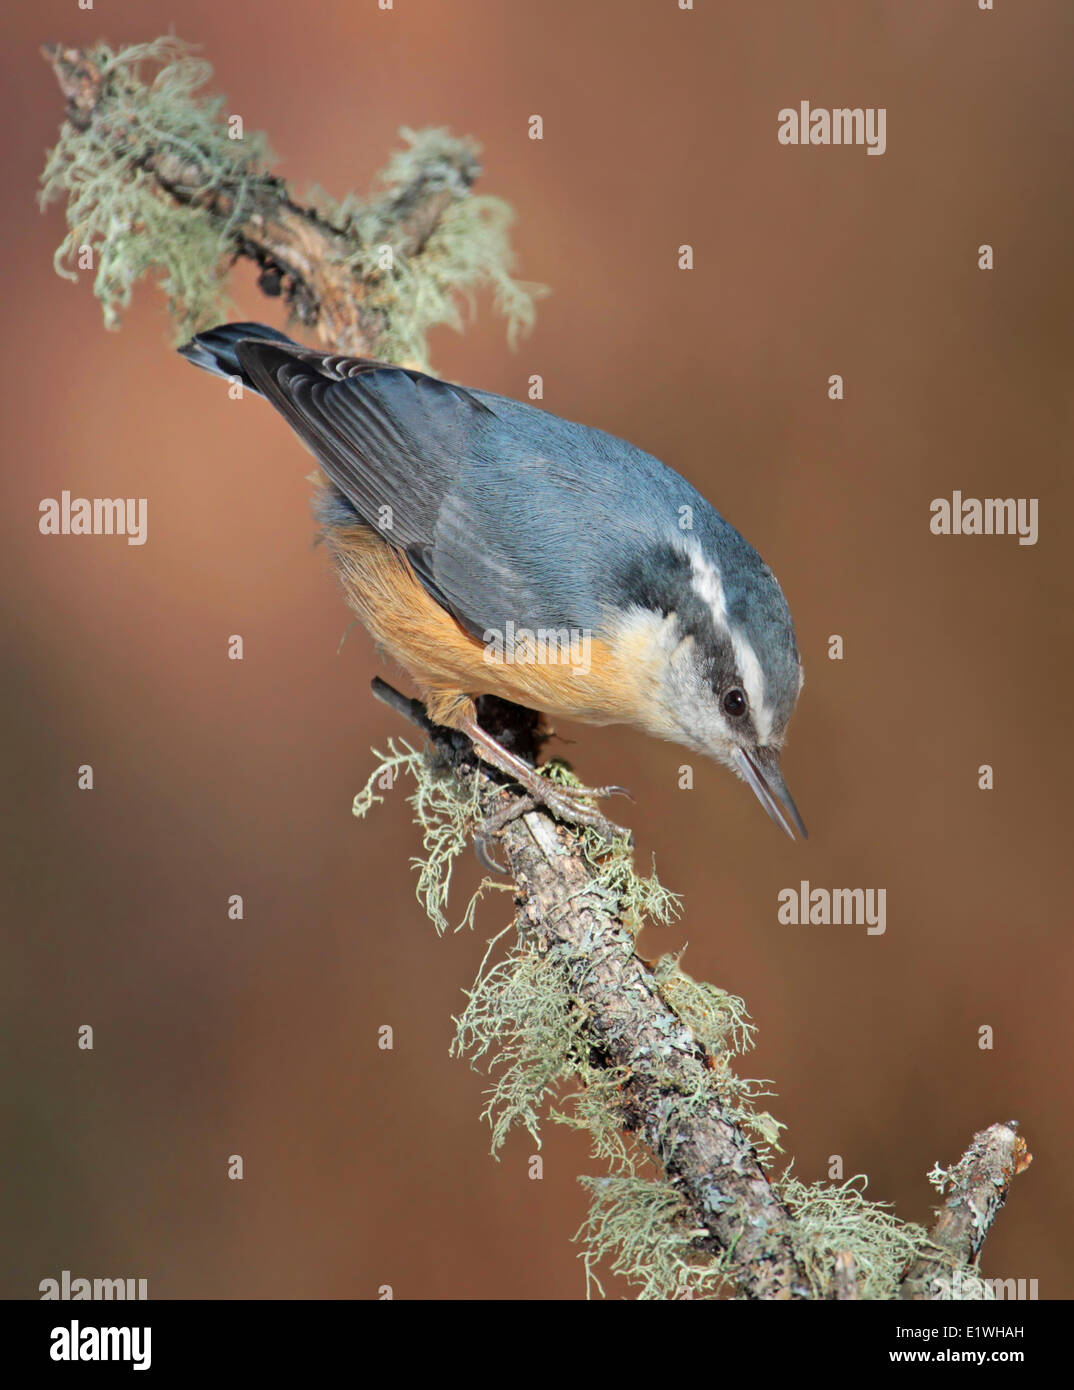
460,521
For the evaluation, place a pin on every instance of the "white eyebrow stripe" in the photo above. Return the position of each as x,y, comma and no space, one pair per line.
708,585
709,588
753,679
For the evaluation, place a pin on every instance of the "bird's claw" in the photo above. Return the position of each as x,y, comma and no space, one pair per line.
561,802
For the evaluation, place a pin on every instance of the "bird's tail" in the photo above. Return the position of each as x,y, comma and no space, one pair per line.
214,350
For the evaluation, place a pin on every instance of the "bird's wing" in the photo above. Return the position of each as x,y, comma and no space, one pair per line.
434,470
385,436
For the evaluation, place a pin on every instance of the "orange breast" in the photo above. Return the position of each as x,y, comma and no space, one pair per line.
450,666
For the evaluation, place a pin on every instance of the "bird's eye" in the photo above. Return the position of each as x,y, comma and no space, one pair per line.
735,703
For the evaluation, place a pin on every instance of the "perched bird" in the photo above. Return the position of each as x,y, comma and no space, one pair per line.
493,548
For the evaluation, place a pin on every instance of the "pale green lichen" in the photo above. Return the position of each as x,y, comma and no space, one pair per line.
638,1228
525,1023
718,1020
447,812
721,1024
622,891
468,250
115,210
595,1107
520,1017
943,1178
831,1219
121,222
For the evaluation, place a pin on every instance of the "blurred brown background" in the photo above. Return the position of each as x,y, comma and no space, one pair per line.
214,777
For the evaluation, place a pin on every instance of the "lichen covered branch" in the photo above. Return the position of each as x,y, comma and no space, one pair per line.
669,1089
156,180
977,1188
635,1052
604,1011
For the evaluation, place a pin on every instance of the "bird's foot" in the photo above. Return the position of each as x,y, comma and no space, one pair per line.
565,803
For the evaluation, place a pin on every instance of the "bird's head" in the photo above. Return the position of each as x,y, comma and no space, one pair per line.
715,659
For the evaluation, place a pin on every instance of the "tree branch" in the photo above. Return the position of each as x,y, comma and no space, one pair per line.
729,1200
979,1184
670,1096
329,267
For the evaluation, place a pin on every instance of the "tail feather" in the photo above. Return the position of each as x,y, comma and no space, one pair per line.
215,350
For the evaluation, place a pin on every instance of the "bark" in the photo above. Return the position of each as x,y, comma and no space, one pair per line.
979,1186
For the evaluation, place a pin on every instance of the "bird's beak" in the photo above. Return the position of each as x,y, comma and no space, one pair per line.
760,768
